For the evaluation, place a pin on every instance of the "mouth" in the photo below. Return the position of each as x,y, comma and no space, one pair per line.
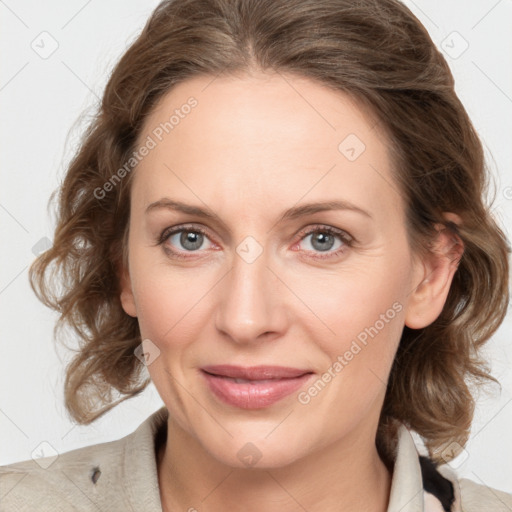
253,387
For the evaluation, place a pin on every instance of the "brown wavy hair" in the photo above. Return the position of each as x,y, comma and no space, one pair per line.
380,54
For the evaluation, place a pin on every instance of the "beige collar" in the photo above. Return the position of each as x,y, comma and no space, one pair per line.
407,494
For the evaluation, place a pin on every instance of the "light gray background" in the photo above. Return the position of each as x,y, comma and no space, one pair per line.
41,100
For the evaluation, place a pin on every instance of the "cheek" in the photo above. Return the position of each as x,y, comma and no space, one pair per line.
358,303
170,300
365,312
164,311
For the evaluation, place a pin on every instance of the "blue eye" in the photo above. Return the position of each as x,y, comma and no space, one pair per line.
189,240
323,239
192,238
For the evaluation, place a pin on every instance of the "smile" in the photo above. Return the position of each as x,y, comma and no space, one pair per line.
253,387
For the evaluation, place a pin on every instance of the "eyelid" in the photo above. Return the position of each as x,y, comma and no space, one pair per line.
167,232
303,232
314,228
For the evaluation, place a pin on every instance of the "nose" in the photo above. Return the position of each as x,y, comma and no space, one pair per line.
250,305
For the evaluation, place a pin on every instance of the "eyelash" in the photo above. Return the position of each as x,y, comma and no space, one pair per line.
320,228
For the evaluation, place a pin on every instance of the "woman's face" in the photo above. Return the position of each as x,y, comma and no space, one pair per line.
263,283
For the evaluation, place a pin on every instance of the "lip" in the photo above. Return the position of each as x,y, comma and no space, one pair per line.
267,384
255,372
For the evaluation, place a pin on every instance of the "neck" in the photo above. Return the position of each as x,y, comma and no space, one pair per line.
346,477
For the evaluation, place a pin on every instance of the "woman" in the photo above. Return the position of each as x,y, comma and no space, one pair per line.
279,213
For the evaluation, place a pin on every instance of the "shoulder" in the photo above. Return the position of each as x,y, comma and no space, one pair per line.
117,475
65,482
471,496
477,497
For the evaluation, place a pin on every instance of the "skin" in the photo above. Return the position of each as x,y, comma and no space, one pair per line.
254,146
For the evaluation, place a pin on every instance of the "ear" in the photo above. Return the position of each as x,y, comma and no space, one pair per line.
127,297
435,274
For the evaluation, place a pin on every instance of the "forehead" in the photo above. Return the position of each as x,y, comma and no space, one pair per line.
263,140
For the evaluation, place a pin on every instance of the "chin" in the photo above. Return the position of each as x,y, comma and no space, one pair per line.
258,454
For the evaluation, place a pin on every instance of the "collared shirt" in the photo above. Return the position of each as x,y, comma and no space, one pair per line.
122,476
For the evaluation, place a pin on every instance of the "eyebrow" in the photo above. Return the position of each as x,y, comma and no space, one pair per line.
291,213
